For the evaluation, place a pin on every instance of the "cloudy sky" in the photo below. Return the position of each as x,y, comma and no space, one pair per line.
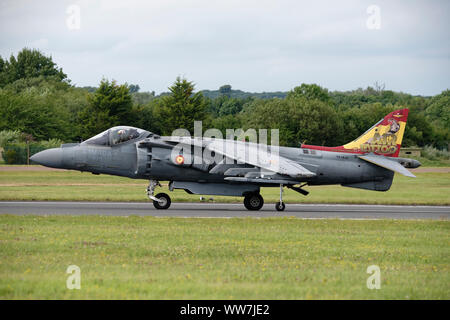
253,45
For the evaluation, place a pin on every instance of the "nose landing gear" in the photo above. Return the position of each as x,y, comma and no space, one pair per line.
161,200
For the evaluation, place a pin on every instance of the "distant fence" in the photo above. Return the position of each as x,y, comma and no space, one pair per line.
18,153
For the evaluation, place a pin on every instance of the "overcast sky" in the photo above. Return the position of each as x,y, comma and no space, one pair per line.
252,45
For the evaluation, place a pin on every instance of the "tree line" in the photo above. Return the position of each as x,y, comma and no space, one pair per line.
38,99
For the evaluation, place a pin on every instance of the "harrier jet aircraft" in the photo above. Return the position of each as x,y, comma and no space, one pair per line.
238,168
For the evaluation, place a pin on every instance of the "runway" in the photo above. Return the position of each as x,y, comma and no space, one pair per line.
223,210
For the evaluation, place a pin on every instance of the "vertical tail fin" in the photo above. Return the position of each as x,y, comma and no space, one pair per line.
385,137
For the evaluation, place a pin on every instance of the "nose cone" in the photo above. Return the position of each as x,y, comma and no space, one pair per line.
49,158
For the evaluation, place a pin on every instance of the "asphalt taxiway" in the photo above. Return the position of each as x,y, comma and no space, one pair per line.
225,210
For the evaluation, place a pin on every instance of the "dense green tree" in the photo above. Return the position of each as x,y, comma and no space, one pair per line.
32,113
310,92
418,131
109,106
231,106
225,90
146,117
181,108
36,98
439,109
355,121
224,105
30,63
134,88
298,119
142,98
41,84
227,122
56,98
3,74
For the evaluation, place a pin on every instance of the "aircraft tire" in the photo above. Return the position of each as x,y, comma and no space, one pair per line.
280,206
162,205
253,202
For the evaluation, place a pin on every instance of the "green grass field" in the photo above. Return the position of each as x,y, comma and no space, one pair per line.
239,258
429,188
438,162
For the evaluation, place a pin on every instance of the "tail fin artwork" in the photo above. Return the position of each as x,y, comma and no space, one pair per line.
384,138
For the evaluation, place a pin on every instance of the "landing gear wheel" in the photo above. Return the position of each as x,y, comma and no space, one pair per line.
280,206
164,201
253,202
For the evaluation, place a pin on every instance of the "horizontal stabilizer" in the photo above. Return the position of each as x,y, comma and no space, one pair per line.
384,162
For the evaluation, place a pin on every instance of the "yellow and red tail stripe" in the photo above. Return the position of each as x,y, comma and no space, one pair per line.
384,138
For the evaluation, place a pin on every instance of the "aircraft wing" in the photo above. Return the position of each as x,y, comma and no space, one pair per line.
387,164
258,155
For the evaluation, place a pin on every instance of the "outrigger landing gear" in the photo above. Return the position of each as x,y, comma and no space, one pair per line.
161,200
253,201
280,206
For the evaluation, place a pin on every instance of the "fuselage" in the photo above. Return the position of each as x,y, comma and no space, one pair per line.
235,167
148,157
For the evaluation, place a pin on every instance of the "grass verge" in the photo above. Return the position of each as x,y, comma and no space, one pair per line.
239,258
429,188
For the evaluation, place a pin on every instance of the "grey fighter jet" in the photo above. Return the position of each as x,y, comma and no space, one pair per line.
238,168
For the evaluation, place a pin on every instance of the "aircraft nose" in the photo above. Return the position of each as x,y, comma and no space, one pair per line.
49,158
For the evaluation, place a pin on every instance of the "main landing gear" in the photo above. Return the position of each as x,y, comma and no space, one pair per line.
252,201
255,201
161,200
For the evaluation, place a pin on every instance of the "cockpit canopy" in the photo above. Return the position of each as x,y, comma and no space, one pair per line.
116,135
